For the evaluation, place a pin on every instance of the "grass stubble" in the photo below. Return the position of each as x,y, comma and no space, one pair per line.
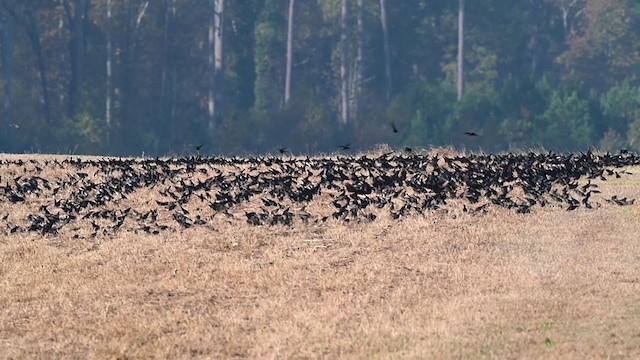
552,284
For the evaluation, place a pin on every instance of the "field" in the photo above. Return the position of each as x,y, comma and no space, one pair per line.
403,256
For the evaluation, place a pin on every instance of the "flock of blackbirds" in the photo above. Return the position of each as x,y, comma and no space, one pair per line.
86,198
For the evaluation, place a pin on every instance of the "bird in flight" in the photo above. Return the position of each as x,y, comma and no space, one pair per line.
283,150
198,147
344,147
471,133
393,127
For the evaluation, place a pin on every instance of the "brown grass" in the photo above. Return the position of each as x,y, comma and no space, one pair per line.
551,284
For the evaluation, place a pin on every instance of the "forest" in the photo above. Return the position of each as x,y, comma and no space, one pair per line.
216,77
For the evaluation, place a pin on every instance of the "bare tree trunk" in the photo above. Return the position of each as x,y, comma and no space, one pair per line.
219,61
287,83
344,90
7,29
77,56
385,39
109,90
215,65
359,61
570,10
460,73
211,104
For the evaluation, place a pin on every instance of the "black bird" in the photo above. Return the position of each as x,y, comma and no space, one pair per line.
14,198
345,147
253,218
182,220
572,207
269,202
199,147
393,127
304,215
283,150
620,202
470,133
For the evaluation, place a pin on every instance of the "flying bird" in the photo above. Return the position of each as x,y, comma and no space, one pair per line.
393,127
283,150
345,147
471,133
198,147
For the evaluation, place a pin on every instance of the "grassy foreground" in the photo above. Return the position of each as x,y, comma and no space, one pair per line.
550,284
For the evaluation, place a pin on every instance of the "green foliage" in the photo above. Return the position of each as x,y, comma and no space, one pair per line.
606,50
612,141
516,132
418,131
483,73
522,102
621,106
528,80
548,342
82,133
478,111
423,110
567,124
269,42
633,136
304,125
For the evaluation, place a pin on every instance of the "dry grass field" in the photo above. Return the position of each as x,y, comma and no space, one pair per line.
548,284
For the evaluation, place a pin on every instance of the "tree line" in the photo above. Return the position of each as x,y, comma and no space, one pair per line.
125,77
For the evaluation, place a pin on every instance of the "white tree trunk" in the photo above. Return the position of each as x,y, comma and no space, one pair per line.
215,64
460,72
359,60
218,48
344,90
109,90
287,84
570,10
385,39
211,102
